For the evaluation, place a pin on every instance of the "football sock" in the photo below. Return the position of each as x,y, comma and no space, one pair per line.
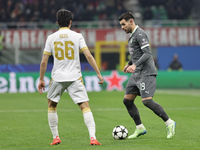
168,122
156,108
133,111
53,121
141,126
89,122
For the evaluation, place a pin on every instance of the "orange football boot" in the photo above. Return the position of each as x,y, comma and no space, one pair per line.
56,141
94,141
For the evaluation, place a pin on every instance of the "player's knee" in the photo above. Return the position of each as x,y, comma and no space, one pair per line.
83,105
147,102
130,96
52,104
127,102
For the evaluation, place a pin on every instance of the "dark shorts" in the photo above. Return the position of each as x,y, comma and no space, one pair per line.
144,86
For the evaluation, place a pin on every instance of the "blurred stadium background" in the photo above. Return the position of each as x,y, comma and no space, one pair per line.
171,25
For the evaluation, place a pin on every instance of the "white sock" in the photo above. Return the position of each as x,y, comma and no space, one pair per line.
89,122
53,121
140,126
168,122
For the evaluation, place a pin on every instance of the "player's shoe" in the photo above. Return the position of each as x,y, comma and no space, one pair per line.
94,141
171,130
137,133
56,141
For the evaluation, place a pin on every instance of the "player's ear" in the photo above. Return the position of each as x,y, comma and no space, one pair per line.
57,23
131,21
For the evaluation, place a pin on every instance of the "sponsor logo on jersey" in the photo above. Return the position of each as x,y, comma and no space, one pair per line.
144,41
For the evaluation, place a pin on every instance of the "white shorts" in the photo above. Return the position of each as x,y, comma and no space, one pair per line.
76,91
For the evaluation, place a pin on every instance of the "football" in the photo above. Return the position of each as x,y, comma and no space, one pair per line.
120,132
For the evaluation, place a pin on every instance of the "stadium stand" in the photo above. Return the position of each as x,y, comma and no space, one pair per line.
89,14
170,9
98,13
45,10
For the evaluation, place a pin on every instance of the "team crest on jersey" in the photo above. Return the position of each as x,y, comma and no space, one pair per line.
144,41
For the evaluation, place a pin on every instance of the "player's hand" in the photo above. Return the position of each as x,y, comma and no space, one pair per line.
100,78
125,68
131,68
41,87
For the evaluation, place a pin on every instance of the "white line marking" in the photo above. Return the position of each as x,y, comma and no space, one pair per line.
189,92
98,109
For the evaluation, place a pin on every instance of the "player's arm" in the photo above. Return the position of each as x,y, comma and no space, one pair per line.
145,47
143,42
146,55
93,63
43,67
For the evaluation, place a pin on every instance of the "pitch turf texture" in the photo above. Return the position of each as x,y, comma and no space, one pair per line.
24,125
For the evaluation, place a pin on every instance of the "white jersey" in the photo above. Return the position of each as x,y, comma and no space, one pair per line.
64,45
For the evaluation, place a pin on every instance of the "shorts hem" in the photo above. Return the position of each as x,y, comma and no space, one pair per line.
54,100
81,101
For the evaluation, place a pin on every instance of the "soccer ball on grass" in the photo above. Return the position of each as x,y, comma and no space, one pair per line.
120,132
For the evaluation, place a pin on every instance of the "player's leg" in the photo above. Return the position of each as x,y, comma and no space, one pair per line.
89,122
132,109
134,113
159,111
147,90
53,121
79,95
54,93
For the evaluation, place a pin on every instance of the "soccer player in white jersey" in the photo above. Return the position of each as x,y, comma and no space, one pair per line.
64,46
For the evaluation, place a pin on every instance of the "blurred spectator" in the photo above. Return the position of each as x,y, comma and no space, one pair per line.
175,64
44,10
89,10
167,9
147,14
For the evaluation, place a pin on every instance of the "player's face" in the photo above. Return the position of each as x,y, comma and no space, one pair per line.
126,25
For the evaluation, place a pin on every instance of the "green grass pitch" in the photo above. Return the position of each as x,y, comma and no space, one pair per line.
24,125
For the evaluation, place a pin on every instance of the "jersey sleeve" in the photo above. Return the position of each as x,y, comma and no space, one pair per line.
47,49
82,44
143,40
145,47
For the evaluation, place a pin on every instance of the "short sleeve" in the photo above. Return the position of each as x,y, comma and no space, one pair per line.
82,44
142,40
47,49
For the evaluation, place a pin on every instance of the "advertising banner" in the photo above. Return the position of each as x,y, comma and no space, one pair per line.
114,80
173,36
27,82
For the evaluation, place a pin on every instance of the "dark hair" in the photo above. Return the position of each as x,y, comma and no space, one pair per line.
126,16
63,17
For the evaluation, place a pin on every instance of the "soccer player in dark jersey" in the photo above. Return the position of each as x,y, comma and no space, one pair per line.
142,82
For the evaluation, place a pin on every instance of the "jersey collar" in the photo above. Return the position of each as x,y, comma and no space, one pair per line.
62,28
134,30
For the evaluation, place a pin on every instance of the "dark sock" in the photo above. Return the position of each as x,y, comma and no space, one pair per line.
156,108
133,111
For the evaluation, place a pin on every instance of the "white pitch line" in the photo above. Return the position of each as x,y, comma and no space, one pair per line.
98,109
191,92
